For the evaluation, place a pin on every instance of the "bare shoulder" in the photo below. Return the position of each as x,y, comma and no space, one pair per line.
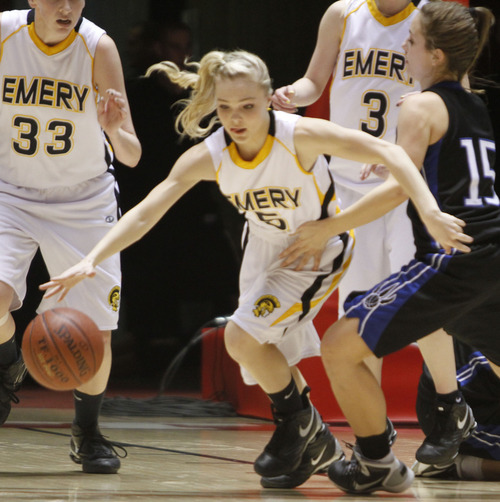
195,163
313,137
106,47
423,114
421,102
422,106
108,72
307,128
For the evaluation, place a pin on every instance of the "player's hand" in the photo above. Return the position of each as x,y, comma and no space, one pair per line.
378,169
61,284
111,111
310,244
448,231
282,99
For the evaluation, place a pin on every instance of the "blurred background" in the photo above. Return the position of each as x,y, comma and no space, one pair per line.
184,272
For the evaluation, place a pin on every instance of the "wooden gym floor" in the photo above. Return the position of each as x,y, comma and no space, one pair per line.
173,459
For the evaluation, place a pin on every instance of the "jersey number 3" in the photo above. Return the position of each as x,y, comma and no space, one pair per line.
377,103
28,140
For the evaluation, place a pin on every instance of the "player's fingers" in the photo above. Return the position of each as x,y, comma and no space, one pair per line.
113,92
317,260
289,250
304,259
48,285
63,295
447,249
289,259
460,246
299,266
52,292
465,238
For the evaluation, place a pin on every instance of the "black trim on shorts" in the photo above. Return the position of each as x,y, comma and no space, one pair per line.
312,290
330,194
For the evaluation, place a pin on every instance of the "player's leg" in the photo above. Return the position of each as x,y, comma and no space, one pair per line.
12,369
88,447
64,242
318,455
17,250
369,265
373,466
272,330
436,349
297,421
454,419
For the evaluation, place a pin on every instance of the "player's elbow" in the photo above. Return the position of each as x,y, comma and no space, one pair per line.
132,157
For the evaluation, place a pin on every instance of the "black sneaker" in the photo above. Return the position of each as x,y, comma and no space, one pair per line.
363,475
11,377
452,425
447,471
283,453
95,453
318,455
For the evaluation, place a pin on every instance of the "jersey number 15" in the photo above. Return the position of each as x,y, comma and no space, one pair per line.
478,170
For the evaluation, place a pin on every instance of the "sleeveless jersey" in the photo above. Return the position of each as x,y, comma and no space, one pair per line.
48,115
274,191
459,169
369,79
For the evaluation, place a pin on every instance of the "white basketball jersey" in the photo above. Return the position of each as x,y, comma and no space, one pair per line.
274,191
369,79
48,114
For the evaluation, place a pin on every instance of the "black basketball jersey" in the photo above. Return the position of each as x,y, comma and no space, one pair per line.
459,169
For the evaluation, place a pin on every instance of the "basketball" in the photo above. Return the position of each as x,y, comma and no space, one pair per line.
62,348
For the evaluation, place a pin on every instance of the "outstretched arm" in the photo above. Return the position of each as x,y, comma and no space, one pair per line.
193,166
313,136
313,236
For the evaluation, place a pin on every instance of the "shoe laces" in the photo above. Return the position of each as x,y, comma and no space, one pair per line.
444,424
353,468
101,444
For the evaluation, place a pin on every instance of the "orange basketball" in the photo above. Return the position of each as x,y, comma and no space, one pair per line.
62,348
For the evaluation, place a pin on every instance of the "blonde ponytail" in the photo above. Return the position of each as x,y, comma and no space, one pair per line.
202,80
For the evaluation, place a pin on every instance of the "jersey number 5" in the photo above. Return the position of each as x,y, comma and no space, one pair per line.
28,140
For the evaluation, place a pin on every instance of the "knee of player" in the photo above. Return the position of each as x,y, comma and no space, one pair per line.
335,346
237,341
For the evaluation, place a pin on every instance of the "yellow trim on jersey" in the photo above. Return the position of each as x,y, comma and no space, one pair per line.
335,281
389,21
217,171
11,35
345,21
50,49
342,37
294,156
84,42
251,164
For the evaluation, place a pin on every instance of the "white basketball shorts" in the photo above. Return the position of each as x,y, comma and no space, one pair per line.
65,223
